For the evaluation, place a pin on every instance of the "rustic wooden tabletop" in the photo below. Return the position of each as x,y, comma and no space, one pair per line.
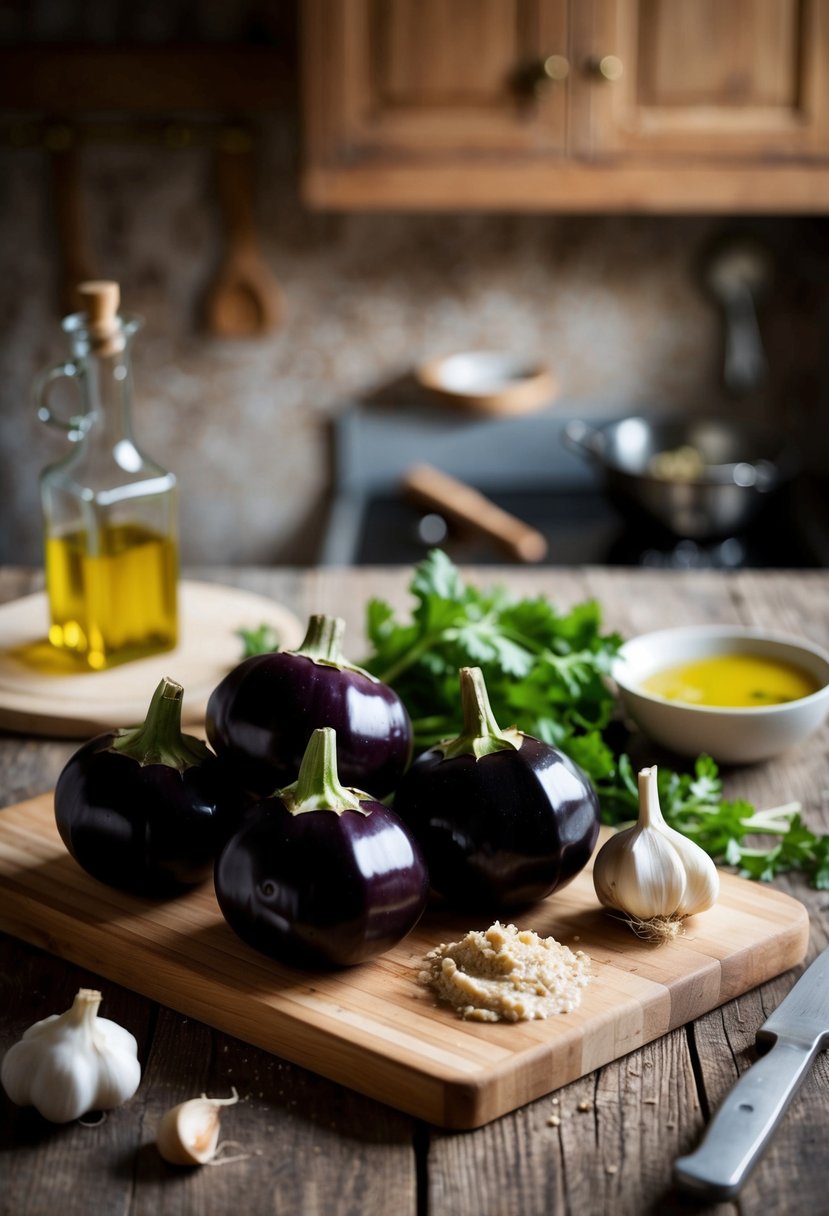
302,1144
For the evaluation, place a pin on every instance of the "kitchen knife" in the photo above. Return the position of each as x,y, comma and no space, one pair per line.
742,1127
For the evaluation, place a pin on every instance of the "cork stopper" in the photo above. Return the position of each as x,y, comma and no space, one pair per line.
100,299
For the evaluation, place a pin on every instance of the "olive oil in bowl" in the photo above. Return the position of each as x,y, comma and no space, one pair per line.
115,600
738,681
736,693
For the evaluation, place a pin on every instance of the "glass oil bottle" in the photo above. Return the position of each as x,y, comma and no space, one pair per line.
109,511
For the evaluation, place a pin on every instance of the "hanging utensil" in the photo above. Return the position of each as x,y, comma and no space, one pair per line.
61,142
244,299
737,271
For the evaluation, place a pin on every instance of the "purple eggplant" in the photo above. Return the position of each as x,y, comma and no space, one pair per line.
146,809
319,875
260,717
503,819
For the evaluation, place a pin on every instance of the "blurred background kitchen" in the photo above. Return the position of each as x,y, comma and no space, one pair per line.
553,179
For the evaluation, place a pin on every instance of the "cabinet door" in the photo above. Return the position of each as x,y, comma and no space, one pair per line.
401,81
738,79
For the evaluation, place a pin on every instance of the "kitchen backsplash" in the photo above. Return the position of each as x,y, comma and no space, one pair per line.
614,304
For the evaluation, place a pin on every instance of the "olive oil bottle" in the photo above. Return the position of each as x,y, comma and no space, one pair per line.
109,511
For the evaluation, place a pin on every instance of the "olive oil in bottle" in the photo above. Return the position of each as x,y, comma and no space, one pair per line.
117,603
109,511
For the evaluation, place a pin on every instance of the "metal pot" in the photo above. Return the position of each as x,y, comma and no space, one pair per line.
699,479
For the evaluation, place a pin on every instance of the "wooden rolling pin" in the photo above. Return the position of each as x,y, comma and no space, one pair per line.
464,505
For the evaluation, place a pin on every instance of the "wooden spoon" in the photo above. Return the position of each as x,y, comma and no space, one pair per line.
467,506
244,299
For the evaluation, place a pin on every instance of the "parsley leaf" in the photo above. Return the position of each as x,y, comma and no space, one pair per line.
543,669
260,640
545,673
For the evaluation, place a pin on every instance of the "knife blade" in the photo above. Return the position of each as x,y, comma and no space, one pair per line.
743,1125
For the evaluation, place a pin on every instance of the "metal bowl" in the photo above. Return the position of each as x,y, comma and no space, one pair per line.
699,479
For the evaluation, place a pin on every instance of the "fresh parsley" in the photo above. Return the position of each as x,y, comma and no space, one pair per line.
543,669
260,640
545,672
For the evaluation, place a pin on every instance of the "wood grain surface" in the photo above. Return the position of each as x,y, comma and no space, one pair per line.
298,1142
373,1027
75,703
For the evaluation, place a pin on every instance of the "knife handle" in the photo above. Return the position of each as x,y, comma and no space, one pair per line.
744,1123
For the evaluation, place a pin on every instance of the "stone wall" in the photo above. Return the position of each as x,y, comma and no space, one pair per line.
614,303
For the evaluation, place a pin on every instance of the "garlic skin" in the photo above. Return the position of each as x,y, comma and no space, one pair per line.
652,873
72,1062
189,1133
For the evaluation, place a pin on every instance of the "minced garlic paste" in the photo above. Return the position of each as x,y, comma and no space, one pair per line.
505,973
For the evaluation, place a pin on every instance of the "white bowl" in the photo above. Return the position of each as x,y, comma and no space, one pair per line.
728,735
488,382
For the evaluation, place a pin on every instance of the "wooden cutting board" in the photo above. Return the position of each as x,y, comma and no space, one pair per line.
78,704
373,1027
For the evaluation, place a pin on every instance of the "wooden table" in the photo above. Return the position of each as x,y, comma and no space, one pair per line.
305,1145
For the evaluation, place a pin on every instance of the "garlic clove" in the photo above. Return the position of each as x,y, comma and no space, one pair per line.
189,1133
638,872
702,879
70,1063
653,874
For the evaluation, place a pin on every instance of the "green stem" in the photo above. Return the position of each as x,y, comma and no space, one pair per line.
481,734
159,738
323,644
318,787
434,722
413,654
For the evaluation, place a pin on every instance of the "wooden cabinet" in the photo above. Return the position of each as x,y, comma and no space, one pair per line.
567,104
736,81
422,80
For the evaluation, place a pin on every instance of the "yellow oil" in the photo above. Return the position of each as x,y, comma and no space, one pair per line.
117,604
739,681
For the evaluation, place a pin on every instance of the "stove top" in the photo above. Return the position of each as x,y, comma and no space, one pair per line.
582,527
372,523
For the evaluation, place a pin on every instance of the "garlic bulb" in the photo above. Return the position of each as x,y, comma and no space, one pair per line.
189,1133
72,1062
652,873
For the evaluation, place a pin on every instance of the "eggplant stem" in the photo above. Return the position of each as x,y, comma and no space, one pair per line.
159,738
318,786
481,734
323,639
323,644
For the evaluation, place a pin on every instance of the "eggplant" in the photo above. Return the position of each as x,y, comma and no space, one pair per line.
261,716
319,875
503,819
145,809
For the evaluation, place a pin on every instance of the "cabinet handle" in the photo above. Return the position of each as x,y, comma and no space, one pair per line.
554,67
608,68
537,77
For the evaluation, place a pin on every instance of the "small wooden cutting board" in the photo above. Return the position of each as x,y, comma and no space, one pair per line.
373,1027
78,704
